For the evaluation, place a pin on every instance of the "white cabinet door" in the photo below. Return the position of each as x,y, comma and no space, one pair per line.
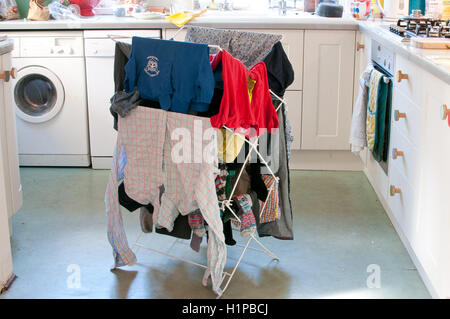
11,137
100,84
294,114
432,235
8,165
327,89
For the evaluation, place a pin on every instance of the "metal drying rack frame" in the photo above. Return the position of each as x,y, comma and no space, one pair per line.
225,204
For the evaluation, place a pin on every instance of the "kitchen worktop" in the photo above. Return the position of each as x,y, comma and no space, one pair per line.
249,20
436,62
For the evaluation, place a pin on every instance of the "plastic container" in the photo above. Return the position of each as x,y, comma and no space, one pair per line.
9,10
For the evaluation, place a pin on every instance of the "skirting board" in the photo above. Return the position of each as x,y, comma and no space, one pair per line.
405,241
4,287
54,160
325,160
101,162
300,160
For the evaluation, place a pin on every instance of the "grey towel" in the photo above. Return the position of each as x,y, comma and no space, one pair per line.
248,47
282,228
123,103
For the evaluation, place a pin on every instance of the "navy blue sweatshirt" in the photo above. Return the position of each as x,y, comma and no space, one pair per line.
176,74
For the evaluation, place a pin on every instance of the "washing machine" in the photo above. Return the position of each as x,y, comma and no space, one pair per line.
50,99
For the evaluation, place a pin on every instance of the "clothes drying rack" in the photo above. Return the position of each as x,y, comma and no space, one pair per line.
225,204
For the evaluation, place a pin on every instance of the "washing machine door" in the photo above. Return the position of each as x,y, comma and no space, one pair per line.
38,94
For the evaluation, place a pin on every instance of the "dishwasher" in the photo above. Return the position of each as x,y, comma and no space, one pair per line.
99,50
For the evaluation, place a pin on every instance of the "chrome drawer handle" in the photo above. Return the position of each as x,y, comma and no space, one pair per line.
396,153
398,115
401,76
394,190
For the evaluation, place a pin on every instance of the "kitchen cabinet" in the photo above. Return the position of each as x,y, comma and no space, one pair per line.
294,114
8,133
432,231
10,189
415,190
327,89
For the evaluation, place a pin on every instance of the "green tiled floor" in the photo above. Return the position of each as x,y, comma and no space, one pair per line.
340,229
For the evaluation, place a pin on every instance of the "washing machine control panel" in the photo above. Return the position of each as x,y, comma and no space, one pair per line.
51,46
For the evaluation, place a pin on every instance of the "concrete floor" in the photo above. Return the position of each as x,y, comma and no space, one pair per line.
340,229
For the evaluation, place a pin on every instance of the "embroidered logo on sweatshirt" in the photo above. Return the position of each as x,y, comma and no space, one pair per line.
152,66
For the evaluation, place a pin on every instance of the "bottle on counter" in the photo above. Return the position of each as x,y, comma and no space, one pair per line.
434,9
446,10
310,5
417,5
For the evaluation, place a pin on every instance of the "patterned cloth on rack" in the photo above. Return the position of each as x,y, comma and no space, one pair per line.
146,137
197,223
248,223
249,47
271,210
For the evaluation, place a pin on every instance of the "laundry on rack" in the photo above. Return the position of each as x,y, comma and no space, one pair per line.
247,222
236,110
197,223
283,227
248,47
122,103
271,211
229,145
146,219
196,241
358,138
145,135
228,233
378,116
179,85
180,228
280,75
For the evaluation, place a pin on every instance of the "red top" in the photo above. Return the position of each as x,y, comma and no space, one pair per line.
236,110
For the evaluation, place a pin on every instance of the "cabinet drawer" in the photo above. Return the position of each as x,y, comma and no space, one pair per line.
412,86
98,34
403,205
411,125
406,157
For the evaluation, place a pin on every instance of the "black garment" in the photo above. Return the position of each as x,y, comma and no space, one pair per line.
129,203
121,56
181,228
228,233
256,182
280,73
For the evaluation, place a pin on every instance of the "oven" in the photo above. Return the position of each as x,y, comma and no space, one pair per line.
383,61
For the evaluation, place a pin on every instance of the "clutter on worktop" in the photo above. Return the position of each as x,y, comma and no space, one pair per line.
361,9
8,10
38,11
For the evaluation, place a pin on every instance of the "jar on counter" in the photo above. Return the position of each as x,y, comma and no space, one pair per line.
310,5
